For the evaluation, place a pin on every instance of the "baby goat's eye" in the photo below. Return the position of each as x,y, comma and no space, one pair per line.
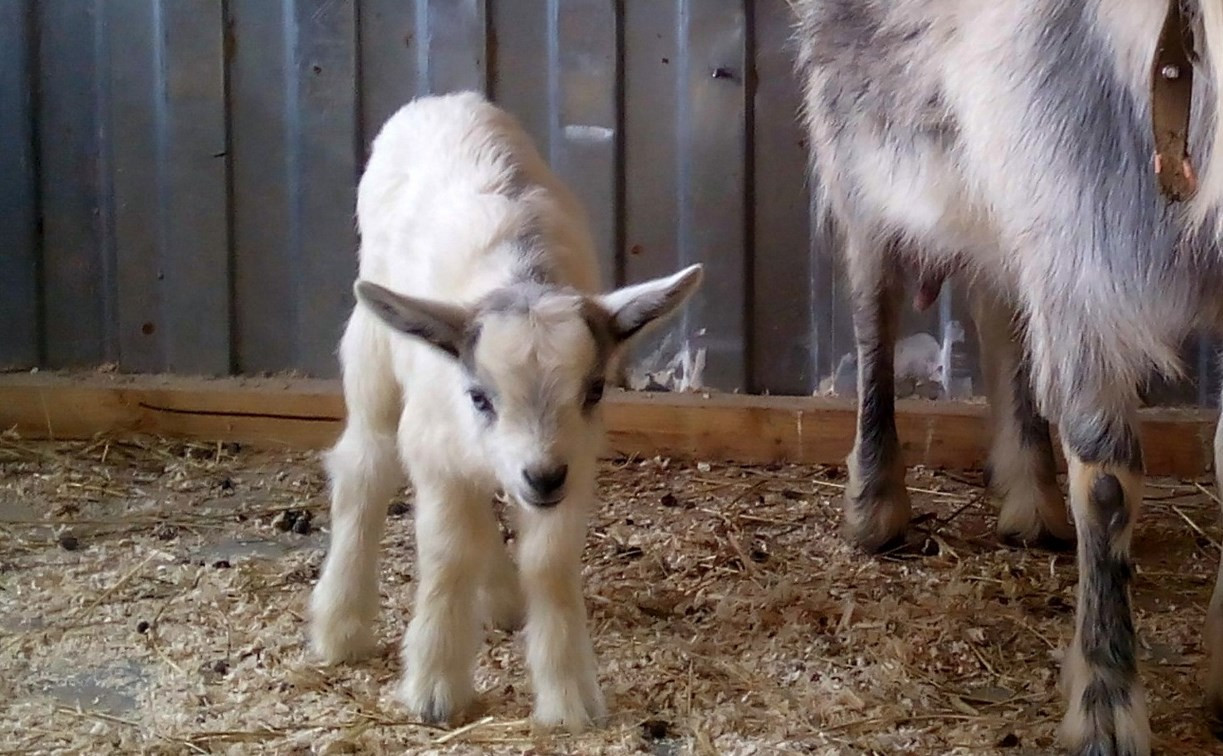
480,401
594,393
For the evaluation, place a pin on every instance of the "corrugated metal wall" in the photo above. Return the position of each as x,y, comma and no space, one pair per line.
179,175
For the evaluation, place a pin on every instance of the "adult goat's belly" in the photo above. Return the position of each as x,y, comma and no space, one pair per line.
919,196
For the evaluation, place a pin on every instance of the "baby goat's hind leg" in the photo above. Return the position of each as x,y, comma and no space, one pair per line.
364,472
1022,469
501,592
877,507
456,531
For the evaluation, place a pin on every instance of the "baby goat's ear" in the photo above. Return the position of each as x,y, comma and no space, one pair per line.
440,324
635,308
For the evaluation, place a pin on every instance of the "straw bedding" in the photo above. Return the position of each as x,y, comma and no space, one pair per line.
152,597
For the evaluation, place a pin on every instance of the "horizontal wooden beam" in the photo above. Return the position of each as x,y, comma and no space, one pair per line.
307,414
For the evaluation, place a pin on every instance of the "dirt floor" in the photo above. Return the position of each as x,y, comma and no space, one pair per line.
152,595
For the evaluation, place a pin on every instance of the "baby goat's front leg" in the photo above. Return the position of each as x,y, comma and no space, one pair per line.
559,653
364,473
456,530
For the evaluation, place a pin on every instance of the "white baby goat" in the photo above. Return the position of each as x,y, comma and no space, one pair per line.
483,258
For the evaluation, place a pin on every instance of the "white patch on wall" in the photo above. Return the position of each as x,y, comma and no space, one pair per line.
670,367
924,368
588,134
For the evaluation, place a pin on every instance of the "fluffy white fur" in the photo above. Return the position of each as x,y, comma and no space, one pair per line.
472,361
1022,474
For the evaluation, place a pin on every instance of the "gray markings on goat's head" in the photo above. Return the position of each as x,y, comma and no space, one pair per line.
535,359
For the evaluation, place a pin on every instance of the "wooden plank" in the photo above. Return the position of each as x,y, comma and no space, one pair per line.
306,413
296,413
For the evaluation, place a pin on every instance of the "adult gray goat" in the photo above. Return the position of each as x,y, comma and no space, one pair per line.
1015,142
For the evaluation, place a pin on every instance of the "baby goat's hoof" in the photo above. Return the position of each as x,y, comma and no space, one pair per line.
567,709
575,719
435,700
341,639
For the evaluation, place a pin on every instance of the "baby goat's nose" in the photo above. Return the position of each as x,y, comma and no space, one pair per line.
546,481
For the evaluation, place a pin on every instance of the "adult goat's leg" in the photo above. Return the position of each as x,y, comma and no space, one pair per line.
364,472
1022,471
1214,617
1107,707
877,507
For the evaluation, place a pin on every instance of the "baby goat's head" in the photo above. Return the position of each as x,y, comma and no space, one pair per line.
534,361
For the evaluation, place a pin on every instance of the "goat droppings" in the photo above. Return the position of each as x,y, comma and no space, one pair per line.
655,729
398,509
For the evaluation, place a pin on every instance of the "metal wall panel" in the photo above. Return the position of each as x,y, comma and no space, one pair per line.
452,45
295,142
136,125
557,68
784,351
651,181
166,119
77,252
325,151
584,148
387,61
712,221
19,334
194,273
686,70
522,64
185,174
264,142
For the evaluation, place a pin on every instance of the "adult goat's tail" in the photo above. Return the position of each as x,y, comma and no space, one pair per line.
1209,197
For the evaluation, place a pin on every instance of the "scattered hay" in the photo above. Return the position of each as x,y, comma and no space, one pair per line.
728,615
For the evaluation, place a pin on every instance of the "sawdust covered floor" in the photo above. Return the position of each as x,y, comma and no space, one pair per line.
152,598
